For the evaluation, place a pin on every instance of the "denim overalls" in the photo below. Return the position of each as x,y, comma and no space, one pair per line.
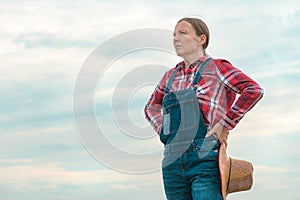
190,165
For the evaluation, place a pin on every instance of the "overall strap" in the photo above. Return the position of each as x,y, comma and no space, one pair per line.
171,80
202,67
197,77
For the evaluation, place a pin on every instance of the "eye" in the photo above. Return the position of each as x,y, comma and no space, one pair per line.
180,33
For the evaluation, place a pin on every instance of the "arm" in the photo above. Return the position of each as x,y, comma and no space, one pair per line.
153,107
237,82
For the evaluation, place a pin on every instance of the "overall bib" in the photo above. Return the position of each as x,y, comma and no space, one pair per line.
190,165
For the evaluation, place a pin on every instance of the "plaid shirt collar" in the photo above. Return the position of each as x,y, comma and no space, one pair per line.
194,64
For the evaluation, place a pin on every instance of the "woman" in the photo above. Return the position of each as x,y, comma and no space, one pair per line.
192,109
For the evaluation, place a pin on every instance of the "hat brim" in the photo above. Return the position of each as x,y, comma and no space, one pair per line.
224,167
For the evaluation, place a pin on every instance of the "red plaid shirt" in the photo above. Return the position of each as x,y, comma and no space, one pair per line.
216,93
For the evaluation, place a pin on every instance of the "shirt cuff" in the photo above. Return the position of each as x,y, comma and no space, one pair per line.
158,129
227,123
157,125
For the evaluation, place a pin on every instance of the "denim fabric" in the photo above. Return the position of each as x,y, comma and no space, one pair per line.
190,165
192,174
181,114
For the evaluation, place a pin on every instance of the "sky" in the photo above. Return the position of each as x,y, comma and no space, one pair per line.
75,76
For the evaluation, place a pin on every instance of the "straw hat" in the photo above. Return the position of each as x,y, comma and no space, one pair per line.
236,175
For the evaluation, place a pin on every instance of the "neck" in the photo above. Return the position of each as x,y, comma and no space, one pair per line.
189,59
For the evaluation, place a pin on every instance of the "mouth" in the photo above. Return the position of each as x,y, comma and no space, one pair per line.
177,46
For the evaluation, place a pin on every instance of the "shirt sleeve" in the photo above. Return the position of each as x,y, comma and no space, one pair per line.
153,112
238,82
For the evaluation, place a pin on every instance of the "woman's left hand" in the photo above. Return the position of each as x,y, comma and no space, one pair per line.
219,131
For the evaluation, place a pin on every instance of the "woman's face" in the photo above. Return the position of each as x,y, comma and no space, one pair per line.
186,41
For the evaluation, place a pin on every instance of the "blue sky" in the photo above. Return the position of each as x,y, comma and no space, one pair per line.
44,45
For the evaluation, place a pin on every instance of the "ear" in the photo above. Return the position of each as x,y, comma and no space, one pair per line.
202,39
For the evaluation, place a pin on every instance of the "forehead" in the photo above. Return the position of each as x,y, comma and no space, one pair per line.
184,25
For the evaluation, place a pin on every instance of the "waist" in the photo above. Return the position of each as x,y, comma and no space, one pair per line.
210,143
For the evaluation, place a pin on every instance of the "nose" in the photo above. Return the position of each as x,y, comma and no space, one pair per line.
175,38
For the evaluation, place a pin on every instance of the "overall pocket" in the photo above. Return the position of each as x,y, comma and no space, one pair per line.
179,113
208,149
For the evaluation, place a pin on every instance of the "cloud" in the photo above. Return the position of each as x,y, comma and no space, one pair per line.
51,177
57,175
51,41
266,179
124,187
44,45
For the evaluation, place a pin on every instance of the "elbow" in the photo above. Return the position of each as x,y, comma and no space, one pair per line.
145,110
260,92
255,91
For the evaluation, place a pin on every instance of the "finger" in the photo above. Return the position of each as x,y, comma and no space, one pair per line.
223,139
210,133
213,134
225,142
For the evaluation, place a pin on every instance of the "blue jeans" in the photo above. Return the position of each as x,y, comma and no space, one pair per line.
194,173
190,165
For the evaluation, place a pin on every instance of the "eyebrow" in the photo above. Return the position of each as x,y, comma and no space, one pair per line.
183,29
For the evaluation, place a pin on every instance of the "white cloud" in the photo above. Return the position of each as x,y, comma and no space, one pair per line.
44,44
52,176
55,174
15,160
79,20
262,169
268,120
125,186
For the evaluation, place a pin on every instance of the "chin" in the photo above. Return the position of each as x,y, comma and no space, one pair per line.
179,53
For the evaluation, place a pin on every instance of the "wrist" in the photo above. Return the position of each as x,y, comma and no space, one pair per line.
225,124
